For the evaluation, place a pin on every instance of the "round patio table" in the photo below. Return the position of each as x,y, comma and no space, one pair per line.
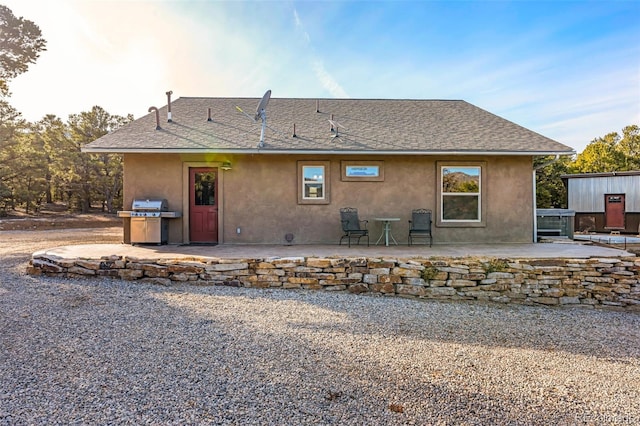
386,229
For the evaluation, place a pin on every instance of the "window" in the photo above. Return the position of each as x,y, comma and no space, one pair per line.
367,171
461,193
313,182
204,186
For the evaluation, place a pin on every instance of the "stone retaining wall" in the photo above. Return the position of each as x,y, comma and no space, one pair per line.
587,282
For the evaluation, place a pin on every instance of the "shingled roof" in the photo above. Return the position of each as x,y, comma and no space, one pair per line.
364,126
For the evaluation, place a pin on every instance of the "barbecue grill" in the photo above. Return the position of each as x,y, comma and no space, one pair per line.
149,222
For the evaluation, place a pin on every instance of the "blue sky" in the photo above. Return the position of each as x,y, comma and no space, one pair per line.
569,70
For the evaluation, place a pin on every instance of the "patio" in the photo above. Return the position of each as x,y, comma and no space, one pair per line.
558,249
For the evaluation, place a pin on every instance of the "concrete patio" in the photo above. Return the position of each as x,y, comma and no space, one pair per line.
560,249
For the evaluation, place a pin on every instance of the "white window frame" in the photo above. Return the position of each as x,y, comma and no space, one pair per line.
320,182
302,183
461,194
480,220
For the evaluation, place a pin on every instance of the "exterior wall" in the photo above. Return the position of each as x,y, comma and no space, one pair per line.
260,196
587,194
595,222
153,176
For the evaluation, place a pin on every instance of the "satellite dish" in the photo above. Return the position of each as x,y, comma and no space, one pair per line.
261,114
262,106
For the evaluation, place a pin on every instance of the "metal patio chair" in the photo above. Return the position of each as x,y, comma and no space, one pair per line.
420,225
352,226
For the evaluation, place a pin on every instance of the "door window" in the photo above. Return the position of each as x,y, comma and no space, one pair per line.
204,187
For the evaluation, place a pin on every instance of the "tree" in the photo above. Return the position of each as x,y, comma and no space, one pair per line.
89,177
20,45
30,167
629,145
52,133
610,153
601,155
550,190
10,128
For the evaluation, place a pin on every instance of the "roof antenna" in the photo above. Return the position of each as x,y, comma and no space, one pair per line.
334,127
169,93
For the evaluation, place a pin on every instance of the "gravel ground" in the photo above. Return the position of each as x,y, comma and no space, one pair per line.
105,351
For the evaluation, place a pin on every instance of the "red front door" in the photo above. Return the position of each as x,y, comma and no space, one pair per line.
203,205
614,211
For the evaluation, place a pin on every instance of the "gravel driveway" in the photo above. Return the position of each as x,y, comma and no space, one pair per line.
105,351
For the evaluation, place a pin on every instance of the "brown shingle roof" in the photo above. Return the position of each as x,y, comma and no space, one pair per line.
366,126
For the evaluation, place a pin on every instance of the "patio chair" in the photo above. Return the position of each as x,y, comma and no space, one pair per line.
420,225
352,226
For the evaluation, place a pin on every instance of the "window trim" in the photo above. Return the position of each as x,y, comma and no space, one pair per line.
326,199
481,195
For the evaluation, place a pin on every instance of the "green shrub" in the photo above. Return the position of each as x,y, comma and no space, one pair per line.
495,265
429,273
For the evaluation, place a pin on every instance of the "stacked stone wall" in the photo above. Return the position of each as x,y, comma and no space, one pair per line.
584,282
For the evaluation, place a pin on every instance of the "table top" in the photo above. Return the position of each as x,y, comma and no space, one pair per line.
387,219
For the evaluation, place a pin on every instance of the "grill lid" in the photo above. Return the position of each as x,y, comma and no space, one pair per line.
150,205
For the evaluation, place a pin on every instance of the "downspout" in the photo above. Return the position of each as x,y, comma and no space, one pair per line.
535,202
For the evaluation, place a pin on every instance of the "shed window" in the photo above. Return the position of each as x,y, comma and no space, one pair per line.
461,194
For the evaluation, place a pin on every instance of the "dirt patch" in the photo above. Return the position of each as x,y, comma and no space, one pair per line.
55,216
60,222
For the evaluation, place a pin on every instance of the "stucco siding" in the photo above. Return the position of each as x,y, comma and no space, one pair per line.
260,196
154,176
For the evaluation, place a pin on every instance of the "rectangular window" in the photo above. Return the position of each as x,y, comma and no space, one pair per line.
461,193
362,171
313,182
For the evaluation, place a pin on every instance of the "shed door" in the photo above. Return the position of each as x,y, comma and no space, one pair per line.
614,211
203,205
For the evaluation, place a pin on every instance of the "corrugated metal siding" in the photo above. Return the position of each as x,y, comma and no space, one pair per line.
587,194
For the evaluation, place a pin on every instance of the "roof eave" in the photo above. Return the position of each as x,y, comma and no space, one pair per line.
318,151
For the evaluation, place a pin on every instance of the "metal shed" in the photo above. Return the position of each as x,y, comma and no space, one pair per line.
605,202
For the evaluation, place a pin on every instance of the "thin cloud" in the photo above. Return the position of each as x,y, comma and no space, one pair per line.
327,81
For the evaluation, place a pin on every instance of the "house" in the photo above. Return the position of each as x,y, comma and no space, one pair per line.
289,174
605,202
